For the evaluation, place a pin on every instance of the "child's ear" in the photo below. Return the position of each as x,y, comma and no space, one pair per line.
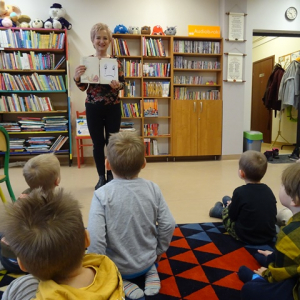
107,164
144,164
87,238
241,174
57,181
21,265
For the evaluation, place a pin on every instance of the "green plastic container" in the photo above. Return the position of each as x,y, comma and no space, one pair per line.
252,140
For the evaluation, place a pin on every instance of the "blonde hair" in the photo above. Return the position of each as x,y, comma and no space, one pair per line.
254,164
42,171
126,154
46,232
100,26
291,181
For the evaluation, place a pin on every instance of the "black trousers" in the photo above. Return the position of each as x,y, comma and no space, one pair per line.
102,120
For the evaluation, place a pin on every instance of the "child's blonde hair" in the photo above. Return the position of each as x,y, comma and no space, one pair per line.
126,154
46,232
291,181
42,171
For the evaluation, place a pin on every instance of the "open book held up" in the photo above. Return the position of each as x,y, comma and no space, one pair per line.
101,71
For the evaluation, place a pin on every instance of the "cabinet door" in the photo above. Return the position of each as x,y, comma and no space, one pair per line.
209,127
184,129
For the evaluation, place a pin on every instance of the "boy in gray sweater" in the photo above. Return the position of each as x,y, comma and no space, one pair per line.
129,220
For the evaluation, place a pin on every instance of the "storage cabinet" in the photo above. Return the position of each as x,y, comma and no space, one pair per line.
33,84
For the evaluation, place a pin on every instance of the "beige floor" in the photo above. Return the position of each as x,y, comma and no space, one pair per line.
190,188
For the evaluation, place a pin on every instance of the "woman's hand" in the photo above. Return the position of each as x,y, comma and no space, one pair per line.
79,71
115,84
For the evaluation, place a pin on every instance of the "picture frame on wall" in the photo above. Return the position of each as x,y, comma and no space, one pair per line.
295,55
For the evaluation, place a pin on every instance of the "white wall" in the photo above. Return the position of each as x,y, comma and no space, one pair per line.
279,46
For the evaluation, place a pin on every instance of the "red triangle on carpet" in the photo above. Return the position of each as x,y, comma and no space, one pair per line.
196,273
205,293
186,257
209,248
233,260
182,243
177,232
164,267
231,281
169,287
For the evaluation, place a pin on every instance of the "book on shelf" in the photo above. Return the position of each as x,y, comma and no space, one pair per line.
151,147
151,129
120,47
150,108
130,110
156,89
101,71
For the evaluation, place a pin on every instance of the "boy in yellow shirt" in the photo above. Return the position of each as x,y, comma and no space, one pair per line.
46,232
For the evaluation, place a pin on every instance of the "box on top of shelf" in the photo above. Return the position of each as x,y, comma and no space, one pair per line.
252,140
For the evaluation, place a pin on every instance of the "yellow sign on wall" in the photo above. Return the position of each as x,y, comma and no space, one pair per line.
204,31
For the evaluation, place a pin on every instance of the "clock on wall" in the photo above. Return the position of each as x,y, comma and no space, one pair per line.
291,13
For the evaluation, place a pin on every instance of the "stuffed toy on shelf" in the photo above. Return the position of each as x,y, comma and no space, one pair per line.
157,30
133,30
170,30
146,30
120,29
57,20
8,14
24,21
37,23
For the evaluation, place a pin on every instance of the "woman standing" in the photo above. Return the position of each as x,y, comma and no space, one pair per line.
103,110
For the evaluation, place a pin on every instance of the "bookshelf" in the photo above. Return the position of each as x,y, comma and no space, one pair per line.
147,65
34,88
197,96
189,119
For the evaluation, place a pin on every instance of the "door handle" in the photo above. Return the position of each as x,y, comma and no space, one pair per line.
194,106
201,105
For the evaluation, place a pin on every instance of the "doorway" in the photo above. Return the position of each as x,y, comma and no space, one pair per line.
261,117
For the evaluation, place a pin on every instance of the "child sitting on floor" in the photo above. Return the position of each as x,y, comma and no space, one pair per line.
129,219
280,279
250,215
40,171
47,233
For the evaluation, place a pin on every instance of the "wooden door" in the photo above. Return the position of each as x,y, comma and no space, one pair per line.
184,128
261,118
210,127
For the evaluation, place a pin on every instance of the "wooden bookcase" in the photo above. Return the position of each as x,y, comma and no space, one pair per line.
43,49
189,125
197,96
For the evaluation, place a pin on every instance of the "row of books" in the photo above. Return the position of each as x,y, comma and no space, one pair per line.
29,61
182,63
203,47
153,47
156,89
120,47
130,110
15,103
30,39
151,129
156,69
182,93
132,68
151,147
188,79
34,82
37,144
128,90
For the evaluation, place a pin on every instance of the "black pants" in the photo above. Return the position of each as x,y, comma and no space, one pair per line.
102,120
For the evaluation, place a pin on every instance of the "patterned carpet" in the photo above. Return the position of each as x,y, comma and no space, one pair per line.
201,263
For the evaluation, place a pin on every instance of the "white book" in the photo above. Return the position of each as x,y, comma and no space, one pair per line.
4,37
101,71
25,62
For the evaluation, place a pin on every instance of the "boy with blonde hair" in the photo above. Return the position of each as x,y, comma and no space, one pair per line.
47,233
40,171
129,219
250,215
280,280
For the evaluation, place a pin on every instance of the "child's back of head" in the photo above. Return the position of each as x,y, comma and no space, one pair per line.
254,164
126,154
42,171
291,181
46,232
